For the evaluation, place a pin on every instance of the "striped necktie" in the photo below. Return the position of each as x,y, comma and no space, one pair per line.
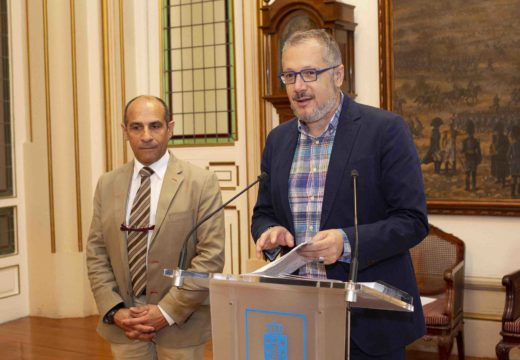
138,240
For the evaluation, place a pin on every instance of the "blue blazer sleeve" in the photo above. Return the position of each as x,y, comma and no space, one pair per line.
392,205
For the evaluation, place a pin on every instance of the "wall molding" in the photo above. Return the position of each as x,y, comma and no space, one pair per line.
77,170
106,85
29,88
122,71
483,283
484,298
16,279
52,222
482,316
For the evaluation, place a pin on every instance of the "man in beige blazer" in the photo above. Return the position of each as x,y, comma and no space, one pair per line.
163,322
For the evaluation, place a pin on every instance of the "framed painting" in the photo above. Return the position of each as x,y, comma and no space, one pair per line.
451,68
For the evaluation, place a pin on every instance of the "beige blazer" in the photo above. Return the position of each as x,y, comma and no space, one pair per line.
187,195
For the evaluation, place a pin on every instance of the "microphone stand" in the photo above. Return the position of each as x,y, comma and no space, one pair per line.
351,294
181,267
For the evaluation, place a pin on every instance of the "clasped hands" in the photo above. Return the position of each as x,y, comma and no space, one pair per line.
326,245
140,322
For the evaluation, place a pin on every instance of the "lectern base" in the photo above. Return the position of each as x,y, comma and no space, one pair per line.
255,321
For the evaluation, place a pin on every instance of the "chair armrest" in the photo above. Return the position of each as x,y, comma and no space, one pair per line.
512,305
450,275
454,278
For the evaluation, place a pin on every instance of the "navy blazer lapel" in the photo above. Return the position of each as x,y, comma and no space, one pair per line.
286,156
346,133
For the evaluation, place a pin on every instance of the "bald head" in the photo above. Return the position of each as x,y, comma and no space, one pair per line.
147,100
147,129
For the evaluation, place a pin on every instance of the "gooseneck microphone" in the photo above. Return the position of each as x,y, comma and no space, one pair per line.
184,251
354,258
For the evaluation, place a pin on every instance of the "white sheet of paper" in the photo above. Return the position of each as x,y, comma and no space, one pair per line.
427,300
285,264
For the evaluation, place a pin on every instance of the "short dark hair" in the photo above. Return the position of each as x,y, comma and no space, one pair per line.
167,115
331,54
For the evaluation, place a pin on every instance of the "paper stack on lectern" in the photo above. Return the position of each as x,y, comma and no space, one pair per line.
286,264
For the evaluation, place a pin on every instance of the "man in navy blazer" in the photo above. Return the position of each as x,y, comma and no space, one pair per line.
309,195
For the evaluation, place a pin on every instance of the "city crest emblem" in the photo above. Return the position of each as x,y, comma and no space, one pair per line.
275,342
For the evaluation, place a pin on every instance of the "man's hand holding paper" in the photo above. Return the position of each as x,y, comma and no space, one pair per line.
272,238
326,245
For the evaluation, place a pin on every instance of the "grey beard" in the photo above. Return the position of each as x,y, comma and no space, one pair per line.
318,114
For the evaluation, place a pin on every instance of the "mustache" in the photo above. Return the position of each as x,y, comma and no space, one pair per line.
301,95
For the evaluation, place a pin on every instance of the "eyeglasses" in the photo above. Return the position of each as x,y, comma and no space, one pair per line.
123,227
308,75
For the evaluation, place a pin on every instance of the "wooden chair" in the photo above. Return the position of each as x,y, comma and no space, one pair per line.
439,267
511,317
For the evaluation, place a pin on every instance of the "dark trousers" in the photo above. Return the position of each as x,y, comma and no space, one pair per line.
357,354
471,174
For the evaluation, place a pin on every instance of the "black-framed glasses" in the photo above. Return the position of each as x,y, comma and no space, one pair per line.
308,75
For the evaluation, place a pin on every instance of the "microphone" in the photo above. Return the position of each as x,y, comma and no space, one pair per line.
184,251
354,258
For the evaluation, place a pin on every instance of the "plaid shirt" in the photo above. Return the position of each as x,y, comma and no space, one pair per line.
307,186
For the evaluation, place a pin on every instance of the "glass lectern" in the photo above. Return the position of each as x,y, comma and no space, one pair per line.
257,317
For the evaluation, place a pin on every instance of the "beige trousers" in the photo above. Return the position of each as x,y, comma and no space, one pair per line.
141,350
147,350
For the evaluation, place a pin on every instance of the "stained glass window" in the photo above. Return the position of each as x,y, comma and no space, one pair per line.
199,72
